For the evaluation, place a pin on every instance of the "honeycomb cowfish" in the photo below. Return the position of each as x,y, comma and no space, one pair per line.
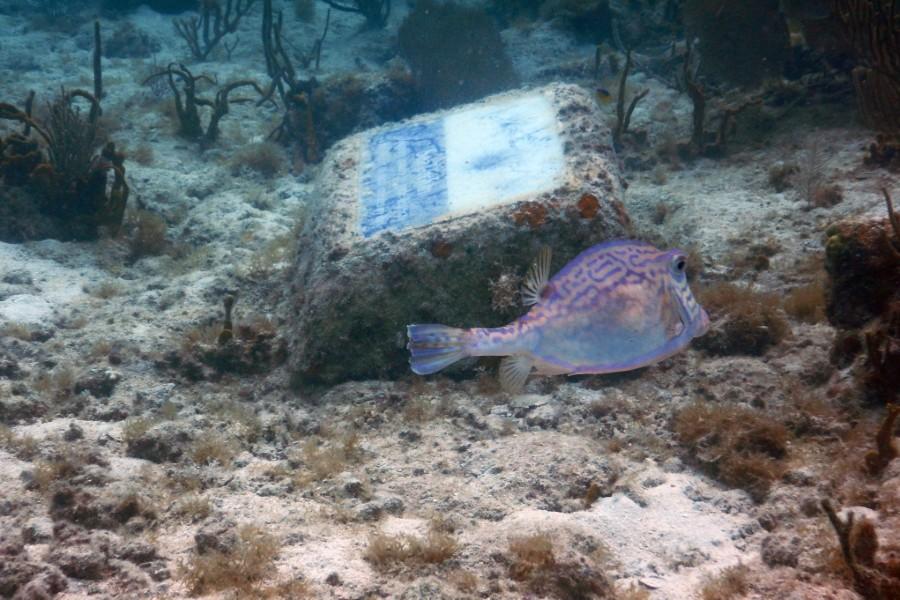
617,306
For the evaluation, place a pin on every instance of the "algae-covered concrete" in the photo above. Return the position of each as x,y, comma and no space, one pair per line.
415,222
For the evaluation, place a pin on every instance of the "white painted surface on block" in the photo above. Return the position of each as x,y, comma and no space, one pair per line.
500,152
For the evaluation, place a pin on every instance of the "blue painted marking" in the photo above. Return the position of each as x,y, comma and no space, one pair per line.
487,162
404,180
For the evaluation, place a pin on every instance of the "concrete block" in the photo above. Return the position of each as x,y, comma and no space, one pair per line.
437,218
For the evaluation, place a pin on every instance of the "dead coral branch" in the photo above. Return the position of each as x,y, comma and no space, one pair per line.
885,448
623,117
894,219
202,34
698,99
873,579
187,102
376,12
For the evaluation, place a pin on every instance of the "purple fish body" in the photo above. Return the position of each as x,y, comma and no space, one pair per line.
615,307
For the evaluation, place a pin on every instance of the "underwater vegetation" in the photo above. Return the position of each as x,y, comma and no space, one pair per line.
265,158
148,235
455,53
744,321
740,42
64,160
392,552
589,20
238,560
247,348
872,31
63,167
533,562
863,299
376,12
319,113
741,446
623,116
217,19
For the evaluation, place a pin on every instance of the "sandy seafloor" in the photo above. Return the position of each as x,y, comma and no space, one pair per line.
486,466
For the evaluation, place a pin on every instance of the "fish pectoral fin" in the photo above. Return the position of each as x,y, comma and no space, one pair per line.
514,371
537,277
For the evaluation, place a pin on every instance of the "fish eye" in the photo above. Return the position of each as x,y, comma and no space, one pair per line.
680,264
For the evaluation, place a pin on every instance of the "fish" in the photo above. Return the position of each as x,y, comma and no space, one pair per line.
603,96
617,306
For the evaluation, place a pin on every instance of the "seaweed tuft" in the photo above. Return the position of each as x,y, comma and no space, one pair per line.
740,446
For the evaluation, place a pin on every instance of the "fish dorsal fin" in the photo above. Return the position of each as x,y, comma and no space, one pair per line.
514,371
537,277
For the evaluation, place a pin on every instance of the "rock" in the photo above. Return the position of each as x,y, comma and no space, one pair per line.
421,217
274,489
157,570
545,417
117,409
801,477
863,290
74,432
17,277
82,556
25,579
10,544
164,442
333,579
153,398
810,506
80,561
79,506
9,367
15,573
26,309
100,383
780,550
22,408
370,511
216,536
500,410
353,487
115,506
46,585
37,530
251,352
393,506
127,41
673,464
523,403
409,435
862,275
137,524
136,551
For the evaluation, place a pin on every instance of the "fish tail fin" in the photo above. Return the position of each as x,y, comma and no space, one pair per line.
433,347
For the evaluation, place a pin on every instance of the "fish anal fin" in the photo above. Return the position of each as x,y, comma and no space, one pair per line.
514,371
533,290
